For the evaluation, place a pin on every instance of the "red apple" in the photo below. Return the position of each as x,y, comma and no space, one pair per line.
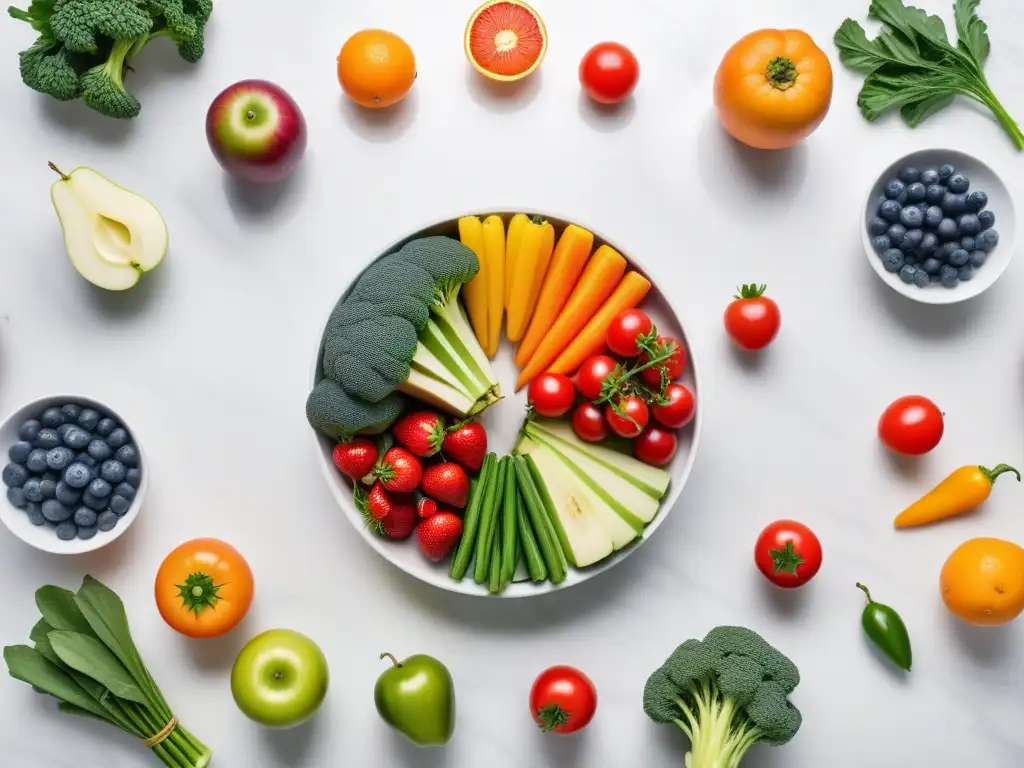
256,131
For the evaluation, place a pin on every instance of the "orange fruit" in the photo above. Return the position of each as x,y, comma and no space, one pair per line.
505,40
376,68
982,582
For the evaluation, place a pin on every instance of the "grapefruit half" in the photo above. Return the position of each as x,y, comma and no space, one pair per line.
506,40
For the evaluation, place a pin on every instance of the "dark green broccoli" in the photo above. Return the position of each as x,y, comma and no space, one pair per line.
335,413
397,288
85,47
448,261
726,693
356,357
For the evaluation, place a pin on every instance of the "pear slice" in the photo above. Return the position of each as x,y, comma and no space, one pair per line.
112,235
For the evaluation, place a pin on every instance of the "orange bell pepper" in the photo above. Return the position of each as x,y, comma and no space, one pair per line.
964,489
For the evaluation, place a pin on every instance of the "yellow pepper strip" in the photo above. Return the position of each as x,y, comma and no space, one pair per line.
494,252
516,227
965,489
535,247
474,293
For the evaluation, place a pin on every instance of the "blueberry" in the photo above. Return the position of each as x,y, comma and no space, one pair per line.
86,532
85,458
48,488
88,419
958,183
133,477
17,497
67,530
35,514
53,418
119,505
988,240
934,194
954,205
916,192
71,411
29,430
56,512
47,439
93,502
907,273
948,230
959,257
123,489
978,258
99,450
36,461
896,233
877,226
106,521
78,475
105,427
950,276
929,242
889,210
58,458
894,189
881,243
909,174
77,438
969,224
15,475
921,279
893,260
912,240
911,217
65,494
117,438
19,451
968,243
943,251
987,219
33,489
50,475
100,488
933,217
85,517
966,272
63,429
946,172
931,266
112,471
929,177
128,455
976,200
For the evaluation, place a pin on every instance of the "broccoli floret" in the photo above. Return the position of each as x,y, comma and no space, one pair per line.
397,288
103,86
45,68
79,23
184,21
726,693
447,260
332,411
371,358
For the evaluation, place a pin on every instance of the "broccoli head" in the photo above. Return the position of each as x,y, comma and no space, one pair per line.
726,693
447,260
81,25
103,86
399,288
184,21
45,68
370,358
334,412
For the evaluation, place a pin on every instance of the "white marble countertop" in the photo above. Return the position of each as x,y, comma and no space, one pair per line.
209,360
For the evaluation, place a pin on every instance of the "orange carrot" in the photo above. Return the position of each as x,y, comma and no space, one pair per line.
603,273
567,263
591,340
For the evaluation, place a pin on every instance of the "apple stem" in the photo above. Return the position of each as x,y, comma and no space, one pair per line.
250,115
394,661
58,171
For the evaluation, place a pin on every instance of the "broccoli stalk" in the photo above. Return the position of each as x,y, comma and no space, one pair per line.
103,85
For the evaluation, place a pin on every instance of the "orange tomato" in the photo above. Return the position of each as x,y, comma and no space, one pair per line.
982,582
376,68
204,588
773,88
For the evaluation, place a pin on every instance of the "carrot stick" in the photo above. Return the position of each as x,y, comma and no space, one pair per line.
604,271
567,263
591,339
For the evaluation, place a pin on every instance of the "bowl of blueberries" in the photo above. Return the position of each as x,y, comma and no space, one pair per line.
939,226
74,476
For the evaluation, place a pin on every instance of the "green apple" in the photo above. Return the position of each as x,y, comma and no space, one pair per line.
280,678
112,235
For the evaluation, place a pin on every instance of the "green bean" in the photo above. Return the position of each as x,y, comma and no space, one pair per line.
471,522
531,554
554,558
489,524
495,581
510,523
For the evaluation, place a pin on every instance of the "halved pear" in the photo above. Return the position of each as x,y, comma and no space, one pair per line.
112,235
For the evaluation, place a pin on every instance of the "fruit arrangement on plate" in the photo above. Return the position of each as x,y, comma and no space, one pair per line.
408,373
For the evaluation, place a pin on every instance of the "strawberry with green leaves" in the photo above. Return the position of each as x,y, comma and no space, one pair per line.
356,457
421,432
399,470
386,514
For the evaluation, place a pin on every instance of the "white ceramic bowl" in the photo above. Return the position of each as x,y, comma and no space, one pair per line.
43,537
999,202
503,421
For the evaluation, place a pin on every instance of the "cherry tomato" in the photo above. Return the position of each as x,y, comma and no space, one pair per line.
788,553
629,418
588,423
592,374
674,365
911,425
679,409
204,588
656,446
563,699
609,72
752,320
624,330
551,394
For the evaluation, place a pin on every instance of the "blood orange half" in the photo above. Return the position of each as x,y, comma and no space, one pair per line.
506,40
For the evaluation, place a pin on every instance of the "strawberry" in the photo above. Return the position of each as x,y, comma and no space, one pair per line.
399,471
421,432
377,502
466,443
401,520
447,483
356,458
426,507
439,534
386,514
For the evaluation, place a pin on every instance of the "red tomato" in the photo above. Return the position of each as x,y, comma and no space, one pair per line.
624,330
551,394
609,72
679,409
788,553
630,418
588,423
563,700
674,365
911,425
592,374
752,320
656,446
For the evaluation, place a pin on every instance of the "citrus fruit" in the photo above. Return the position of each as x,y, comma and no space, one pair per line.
506,40
376,68
982,582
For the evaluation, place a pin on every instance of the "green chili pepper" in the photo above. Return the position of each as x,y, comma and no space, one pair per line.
886,630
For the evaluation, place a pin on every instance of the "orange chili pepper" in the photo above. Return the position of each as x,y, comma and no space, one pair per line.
964,489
